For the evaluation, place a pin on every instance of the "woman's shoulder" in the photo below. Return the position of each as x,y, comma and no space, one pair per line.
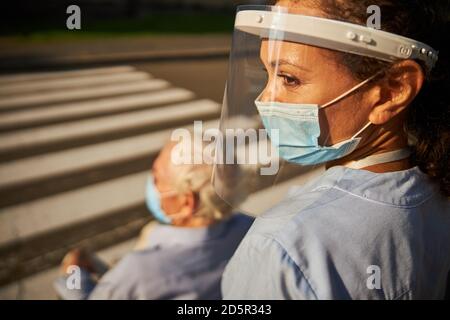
357,207
346,227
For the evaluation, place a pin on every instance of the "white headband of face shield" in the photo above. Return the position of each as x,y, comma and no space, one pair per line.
335,35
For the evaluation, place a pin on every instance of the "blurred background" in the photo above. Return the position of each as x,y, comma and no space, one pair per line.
84,112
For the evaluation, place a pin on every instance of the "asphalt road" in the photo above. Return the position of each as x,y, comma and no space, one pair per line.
76,147
206,78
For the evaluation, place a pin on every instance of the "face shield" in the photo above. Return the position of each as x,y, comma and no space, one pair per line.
283,74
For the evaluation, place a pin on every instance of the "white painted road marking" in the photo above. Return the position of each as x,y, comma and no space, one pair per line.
93,107
28,100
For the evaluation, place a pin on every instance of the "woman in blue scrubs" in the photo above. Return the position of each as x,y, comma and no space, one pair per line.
376,223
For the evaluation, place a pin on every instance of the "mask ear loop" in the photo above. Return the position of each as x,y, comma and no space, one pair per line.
360,131
346,93
166,194
349,92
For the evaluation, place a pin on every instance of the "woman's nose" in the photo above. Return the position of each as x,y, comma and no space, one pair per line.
264,94
268,94
263,97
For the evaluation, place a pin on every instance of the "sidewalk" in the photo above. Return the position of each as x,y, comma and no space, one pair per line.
20,55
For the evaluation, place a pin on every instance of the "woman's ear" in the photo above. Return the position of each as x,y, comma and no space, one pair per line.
400,85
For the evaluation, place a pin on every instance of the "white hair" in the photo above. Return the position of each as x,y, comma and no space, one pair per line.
196,178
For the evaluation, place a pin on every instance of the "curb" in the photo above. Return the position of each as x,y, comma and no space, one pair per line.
27,63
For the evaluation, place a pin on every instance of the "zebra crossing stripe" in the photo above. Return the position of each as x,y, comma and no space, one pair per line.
93,107
27,100
196,109
60,162
79,81
23,77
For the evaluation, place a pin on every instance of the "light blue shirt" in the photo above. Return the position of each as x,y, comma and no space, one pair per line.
180,263
351,234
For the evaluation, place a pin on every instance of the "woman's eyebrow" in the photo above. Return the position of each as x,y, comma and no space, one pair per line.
281,62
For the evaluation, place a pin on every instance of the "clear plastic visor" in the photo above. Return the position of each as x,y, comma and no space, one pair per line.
249,173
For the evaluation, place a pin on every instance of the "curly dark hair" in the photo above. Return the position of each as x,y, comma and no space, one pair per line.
428,119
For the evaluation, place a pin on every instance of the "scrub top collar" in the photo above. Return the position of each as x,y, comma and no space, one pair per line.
360,183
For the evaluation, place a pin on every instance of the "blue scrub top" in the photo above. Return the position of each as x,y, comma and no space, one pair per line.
351,234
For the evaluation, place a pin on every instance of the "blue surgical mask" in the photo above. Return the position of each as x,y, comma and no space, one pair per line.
153,201
298,131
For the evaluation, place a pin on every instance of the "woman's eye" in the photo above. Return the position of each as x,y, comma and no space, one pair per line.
289,80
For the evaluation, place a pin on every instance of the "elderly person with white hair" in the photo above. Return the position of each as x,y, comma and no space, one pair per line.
183,255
